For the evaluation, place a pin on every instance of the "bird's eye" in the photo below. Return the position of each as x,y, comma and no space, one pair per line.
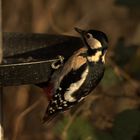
88,36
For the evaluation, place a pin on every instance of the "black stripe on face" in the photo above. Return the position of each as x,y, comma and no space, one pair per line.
72,77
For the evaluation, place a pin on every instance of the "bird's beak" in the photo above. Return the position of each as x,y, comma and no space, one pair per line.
80,31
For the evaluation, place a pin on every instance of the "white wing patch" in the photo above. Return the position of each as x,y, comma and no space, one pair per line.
75,86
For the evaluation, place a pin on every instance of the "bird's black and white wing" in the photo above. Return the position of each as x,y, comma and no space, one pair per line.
67,81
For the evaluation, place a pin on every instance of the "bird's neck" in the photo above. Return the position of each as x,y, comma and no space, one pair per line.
96,57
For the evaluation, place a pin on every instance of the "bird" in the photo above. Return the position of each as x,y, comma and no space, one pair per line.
79,75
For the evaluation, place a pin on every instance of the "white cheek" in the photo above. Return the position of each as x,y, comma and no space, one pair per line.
95,58
94,43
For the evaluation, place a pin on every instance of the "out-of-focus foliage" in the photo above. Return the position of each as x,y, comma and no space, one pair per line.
110,78
133,67
127,57
129,3
100,115
127,125
102,135
80,129
126,54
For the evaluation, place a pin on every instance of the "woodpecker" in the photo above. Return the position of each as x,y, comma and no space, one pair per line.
79,75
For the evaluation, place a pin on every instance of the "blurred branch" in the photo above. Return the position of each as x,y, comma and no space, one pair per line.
22,116
1,114
0,32
72,118
1,90
121,72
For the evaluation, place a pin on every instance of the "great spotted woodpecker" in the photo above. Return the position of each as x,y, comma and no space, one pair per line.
79,75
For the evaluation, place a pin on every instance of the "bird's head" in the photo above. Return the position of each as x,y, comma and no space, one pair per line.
95,41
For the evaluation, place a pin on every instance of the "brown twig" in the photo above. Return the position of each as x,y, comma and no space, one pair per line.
1,89
72,118
1,55
21,117
121,72
1,114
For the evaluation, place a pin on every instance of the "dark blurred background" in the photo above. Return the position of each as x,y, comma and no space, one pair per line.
112,111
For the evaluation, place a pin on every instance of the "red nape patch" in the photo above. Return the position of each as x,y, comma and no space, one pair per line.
49,91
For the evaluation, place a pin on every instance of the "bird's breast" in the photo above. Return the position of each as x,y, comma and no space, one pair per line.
95,74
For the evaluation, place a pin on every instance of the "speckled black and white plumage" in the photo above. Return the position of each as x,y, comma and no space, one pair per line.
79,75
